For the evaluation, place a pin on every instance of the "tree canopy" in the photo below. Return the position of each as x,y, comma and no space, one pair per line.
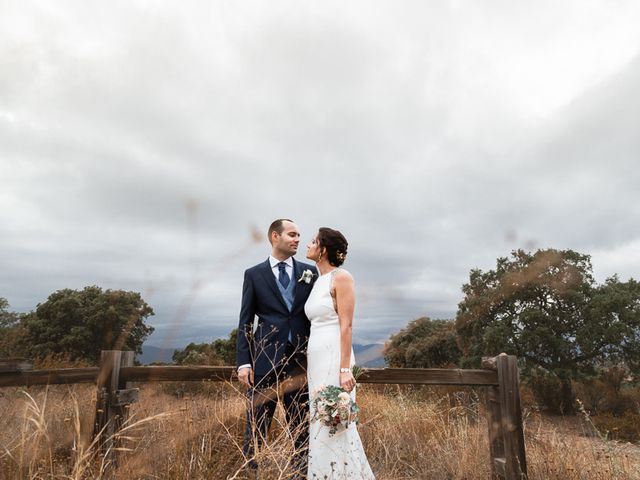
546,308
423,343
7,319
9,330
221,351
81,323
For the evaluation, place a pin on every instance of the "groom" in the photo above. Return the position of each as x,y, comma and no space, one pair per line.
274,355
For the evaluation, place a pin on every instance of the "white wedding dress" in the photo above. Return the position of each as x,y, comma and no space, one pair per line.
338,456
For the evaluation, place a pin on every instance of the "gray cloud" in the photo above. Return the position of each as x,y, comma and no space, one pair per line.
141,144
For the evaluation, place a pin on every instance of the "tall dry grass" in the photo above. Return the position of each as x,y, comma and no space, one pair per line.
408,433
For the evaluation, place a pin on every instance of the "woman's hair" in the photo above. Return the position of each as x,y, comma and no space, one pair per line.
335,243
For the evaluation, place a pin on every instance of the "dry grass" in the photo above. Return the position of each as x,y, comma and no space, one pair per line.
408,433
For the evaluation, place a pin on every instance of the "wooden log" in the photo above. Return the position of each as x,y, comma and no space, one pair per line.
110,412
490,363
494,424
511,418
424,376
48,377
177,373
104,422
15,364
429,376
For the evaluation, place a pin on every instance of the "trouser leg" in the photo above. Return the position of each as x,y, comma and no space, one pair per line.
296,404
261,405
296,409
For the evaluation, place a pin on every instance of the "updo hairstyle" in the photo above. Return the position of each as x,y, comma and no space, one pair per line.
334,243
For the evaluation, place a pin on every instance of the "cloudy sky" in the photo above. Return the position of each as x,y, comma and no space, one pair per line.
147,145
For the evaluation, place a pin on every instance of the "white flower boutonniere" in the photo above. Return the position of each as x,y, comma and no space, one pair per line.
306,276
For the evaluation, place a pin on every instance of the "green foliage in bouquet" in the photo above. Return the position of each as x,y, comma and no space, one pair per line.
334,408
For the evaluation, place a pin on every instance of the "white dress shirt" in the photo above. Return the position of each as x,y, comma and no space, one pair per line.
276,272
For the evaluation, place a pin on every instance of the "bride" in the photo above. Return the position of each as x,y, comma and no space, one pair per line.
330,357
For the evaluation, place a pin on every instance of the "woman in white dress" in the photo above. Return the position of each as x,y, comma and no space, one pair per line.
330,357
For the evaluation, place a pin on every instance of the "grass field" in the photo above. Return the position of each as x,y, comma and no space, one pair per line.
408,433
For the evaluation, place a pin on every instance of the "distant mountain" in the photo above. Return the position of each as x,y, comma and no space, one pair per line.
151,354
366,355
369,355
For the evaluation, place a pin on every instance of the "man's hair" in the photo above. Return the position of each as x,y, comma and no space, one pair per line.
277,226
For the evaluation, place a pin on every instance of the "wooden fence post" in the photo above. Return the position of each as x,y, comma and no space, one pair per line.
506,435
494,422
511,417
113,397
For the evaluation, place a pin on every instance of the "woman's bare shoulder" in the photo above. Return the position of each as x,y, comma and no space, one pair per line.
342,277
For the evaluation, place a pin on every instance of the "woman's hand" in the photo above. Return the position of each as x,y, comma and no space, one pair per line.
347,381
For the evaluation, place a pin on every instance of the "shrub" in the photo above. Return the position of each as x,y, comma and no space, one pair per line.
625,427
610,392
423,343
546,391
59,360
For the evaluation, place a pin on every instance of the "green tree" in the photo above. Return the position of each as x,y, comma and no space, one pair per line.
81,323
221,351
423,343
546,308
10,331
7,319
613,331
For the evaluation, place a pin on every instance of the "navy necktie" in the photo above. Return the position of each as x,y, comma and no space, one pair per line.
283,278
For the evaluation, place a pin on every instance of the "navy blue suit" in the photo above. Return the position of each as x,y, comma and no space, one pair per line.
276,350
265,349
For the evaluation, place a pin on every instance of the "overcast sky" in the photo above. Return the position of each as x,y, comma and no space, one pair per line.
147,145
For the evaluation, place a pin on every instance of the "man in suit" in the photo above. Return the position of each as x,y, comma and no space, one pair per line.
273,357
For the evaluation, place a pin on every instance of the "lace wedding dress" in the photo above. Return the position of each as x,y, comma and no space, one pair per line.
338,456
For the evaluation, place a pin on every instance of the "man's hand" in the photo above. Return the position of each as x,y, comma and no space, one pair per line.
245,375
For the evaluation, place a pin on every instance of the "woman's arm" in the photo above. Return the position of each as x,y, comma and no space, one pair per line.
345,301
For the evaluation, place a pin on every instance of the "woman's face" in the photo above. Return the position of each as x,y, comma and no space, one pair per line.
313,249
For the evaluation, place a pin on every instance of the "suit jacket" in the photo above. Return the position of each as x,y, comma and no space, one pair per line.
265,348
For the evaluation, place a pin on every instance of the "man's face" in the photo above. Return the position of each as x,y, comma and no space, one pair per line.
287,242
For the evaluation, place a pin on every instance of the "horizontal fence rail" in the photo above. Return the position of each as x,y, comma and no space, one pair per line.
55,376
416,376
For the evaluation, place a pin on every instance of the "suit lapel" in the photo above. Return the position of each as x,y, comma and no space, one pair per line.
297,273
270,278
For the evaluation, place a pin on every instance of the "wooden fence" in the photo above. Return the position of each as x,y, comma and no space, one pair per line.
498,376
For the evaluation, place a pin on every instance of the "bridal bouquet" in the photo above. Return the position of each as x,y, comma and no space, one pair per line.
334,408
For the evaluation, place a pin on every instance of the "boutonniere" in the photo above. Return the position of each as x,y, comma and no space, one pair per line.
306,276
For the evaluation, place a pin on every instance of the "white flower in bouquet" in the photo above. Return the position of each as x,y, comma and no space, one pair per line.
334,408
